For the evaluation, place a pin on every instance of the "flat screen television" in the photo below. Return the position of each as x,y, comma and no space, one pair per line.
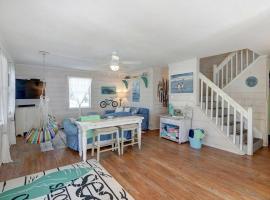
28,89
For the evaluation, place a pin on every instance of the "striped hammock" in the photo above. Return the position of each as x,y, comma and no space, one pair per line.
44,134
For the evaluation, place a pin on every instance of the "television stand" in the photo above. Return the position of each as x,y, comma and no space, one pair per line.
26,118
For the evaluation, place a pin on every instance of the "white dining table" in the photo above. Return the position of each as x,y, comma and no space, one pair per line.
83,127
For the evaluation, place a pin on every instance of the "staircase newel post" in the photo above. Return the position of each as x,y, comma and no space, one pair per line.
250,133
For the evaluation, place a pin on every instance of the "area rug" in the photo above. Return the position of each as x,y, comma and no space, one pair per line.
84,180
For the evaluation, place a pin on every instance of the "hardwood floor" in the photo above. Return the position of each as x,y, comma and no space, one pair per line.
162,170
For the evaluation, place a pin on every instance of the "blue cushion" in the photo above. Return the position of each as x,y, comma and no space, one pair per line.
134,110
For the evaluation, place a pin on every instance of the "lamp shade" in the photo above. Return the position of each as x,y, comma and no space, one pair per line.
121,94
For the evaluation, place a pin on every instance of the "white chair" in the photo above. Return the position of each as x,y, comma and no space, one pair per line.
134,136
114,142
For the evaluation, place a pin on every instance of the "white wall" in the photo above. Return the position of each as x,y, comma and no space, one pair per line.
148,98
255,97
186,66
57,86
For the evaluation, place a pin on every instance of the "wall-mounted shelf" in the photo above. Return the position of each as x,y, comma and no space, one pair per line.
144,77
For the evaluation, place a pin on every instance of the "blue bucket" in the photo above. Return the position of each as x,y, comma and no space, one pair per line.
195,143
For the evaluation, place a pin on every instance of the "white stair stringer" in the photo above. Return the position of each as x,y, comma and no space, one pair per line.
214,136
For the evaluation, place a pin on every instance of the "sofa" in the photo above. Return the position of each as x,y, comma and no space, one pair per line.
143,112
71,132
71,129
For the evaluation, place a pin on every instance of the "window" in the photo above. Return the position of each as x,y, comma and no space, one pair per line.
79,92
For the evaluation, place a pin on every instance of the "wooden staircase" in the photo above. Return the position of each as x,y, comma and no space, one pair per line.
233,120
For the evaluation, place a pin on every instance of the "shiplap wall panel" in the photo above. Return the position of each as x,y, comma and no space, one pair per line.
57,87
255,97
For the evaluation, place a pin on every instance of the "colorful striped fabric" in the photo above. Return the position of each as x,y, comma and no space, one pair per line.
45,134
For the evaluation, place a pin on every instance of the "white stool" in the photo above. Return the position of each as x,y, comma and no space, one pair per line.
134,132
106,131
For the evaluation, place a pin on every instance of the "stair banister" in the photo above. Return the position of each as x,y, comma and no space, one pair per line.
222,94
232,61
237,109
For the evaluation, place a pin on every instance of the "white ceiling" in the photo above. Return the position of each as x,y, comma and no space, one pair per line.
83,33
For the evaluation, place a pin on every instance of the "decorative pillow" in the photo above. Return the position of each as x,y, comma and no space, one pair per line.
119,109
134,111
72,120
126,109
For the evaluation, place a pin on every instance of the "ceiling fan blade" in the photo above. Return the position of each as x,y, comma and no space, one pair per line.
131,62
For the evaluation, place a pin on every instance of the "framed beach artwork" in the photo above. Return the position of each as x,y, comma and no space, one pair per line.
182,83
108,90
136,91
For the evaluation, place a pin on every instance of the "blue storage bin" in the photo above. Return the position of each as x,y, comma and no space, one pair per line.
195,143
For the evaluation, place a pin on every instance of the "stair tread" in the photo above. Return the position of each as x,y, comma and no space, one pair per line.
255,140
230,123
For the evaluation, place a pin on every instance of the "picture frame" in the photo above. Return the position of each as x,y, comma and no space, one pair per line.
182,83
108,90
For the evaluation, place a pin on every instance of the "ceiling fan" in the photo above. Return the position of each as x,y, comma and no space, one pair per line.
115,62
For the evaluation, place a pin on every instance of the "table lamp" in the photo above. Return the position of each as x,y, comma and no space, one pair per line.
121,95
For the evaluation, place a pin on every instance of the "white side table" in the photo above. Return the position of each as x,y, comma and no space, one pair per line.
179,128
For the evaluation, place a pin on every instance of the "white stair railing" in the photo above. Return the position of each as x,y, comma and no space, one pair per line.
232,66
222,109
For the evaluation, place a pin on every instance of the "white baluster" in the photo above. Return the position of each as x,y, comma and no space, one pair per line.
250,133
215,74
218,83
234,125
241,131
222,114
201,94
242,60
227,73
228,120
253,56
236,63
206,107
222,77
247,59
216,108
231,71
211,103
232,67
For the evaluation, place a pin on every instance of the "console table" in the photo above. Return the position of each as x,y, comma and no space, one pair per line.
103,123
175,128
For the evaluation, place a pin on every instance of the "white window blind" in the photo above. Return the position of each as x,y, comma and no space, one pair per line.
79,92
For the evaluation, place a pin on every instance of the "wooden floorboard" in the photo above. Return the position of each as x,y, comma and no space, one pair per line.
162,169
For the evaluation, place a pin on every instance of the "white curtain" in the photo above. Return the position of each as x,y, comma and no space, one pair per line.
11,104
4,137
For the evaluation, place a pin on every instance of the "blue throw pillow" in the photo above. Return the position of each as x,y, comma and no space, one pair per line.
134,111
